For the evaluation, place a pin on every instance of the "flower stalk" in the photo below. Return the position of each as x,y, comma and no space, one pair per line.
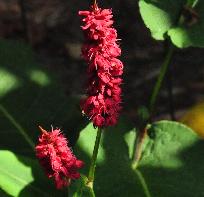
94,158
160,79
143,131
101,52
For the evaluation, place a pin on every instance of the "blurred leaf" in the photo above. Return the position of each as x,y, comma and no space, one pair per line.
15,176
143,113
32,96
79,188
162,17
3,193
191,3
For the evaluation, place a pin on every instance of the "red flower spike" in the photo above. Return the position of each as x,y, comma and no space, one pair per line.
101,50
57,158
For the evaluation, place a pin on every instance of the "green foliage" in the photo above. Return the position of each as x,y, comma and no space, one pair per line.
183,24
114,175
160,15
190,33
15,176
79,188
172,161
32,96
172,151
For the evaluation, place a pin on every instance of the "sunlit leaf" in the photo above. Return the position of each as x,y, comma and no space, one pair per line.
160,15
173,151
16,176
182,21
173,158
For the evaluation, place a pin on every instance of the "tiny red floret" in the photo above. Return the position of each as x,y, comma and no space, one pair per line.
57,158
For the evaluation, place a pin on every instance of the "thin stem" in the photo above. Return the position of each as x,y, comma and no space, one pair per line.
93,160
195,3
160,78
92,194
142,132
192,4
17,125
138,148
143,182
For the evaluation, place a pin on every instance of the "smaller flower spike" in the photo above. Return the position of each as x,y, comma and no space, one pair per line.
57,158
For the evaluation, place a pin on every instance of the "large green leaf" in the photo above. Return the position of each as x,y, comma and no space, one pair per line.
167,17
173,151
114,176
173,161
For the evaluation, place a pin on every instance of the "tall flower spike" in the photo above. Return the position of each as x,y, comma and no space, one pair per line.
57,158
100,51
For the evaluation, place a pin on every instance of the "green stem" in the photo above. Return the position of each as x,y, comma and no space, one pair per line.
192,4
138,148
94,158
91,192
140,139
143,183
160,78
195,3
17,126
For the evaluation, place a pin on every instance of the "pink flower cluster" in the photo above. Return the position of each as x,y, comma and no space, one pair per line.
101,50
56,158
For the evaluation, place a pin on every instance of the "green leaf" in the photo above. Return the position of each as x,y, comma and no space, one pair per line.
192,3
188,34
79,188
22,176
172,162
114,175
15,176
160,15
171,157
166,17
3,193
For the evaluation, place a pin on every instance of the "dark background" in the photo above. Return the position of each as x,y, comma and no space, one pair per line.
52,27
